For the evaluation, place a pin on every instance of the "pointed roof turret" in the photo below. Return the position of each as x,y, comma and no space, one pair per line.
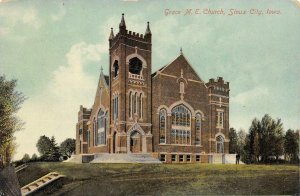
111,36
148,31
122,23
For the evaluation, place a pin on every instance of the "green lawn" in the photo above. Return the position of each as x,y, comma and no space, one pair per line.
165,179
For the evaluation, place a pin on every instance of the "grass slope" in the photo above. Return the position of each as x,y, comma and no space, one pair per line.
165,179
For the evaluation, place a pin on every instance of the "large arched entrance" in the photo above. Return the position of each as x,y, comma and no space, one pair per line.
135,142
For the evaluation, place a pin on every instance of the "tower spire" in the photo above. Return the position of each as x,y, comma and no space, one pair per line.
148,31
122,23
111,36
181,51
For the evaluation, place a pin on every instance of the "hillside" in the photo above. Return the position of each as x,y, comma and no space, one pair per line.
154,179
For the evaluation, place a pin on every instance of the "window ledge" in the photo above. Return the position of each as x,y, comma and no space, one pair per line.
100,145
176,145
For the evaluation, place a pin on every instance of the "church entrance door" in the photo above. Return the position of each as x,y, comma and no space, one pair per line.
135,142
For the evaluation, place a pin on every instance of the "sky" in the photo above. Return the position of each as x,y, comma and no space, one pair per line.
55,49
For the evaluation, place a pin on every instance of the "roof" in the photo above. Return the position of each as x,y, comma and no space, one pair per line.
181,59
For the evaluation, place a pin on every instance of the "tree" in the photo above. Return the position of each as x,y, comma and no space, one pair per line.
34,157
233,141
278,139
26,158
10,102
67,147
291,145
241,141
48,148
252,146
271,138
265,139
43,145
53,153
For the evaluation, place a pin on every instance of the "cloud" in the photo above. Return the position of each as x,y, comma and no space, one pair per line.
30,18
251,95
54,111
15,16
60,14
13,21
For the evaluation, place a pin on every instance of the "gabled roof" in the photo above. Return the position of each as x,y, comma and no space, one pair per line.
181,60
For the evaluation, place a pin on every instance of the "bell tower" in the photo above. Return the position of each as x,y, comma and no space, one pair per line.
130,90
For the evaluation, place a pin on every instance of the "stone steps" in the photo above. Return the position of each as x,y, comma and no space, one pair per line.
21,167
124,158
41,182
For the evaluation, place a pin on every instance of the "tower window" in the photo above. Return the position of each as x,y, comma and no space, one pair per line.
130,104
141,105
220,144
116,68
135,66
135,102
198,129
220,119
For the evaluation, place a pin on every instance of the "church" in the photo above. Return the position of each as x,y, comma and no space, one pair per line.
170,114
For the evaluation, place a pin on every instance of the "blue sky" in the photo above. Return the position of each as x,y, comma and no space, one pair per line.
56,48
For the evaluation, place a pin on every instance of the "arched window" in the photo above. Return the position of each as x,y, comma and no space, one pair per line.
162,126
141,106
116,68
181,87
181,116
135,66
100,128
198,129
135,102
130,104
181,125
220,119
106,126
220,144
94,133
115,107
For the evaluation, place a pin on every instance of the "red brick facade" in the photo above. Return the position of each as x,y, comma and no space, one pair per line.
171,113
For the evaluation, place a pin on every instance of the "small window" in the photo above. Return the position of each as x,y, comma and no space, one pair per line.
220,119
181,158
162,158
116,68
173,157
198,158
181,87
188,158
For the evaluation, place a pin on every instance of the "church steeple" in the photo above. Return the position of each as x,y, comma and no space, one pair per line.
122,24
111,36
148,34
148,31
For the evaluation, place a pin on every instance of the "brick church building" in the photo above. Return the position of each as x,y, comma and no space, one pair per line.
171,114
